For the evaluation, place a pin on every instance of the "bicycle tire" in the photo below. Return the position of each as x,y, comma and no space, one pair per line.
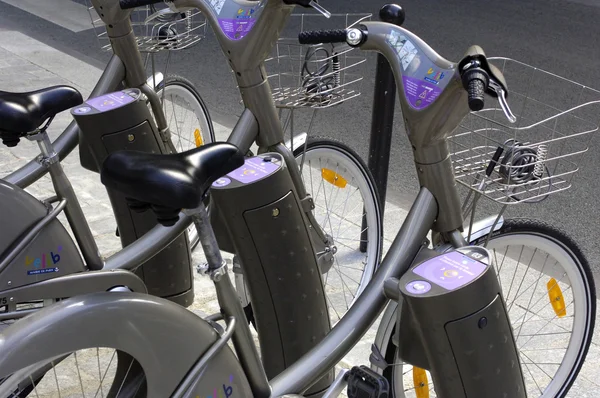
320,146
552,239
350,166
180,88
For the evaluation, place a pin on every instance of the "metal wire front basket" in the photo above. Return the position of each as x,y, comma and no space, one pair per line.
315,76
536,156
158,28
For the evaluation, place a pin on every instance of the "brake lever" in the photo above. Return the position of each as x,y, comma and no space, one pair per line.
317,7
501,94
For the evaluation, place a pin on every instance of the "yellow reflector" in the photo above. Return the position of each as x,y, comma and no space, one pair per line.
198,138
421,382
556,298
333,178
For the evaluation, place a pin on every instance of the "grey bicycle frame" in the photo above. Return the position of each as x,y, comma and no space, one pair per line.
431,210
246,56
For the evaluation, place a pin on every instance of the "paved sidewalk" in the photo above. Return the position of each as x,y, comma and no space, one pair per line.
26,64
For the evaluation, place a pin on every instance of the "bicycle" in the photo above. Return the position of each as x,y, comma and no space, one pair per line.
195,368
186,29
168,97
103,125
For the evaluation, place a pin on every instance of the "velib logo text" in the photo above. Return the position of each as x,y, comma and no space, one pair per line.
43,264
225,391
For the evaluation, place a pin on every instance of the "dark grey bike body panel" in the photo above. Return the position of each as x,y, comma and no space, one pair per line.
140,325
50,254
169,273
355,323
461,334
264,221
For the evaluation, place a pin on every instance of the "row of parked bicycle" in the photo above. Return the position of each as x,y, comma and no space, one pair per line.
472,307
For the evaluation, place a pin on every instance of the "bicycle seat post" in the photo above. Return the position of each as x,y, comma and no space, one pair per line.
216,269
50,159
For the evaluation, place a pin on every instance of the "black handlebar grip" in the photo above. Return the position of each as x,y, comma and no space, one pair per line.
322,36
476,91
126,4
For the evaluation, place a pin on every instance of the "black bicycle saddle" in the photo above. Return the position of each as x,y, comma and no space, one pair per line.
169,183
21,113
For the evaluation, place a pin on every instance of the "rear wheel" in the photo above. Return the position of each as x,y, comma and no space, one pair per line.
551,301
348,211
94,372
188,120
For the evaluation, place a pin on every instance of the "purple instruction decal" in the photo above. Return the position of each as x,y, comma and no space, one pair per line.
239,24
110,101
420,94
236,29
450,271
253,169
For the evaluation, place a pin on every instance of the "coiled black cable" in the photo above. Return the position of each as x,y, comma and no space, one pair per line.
521,164
316,85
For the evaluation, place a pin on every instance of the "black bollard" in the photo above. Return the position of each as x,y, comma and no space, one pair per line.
382,122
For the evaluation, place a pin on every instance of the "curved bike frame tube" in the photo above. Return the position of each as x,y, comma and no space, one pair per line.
111,79
406,245
429,121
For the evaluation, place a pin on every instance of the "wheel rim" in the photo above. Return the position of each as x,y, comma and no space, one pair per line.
187,121
571,283
90,372
547,378
337,210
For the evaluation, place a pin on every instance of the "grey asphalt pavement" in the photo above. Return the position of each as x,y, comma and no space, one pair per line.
556,35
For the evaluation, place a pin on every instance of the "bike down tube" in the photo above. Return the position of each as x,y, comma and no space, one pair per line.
367,307
111,78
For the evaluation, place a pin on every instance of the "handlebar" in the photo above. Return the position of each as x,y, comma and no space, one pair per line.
478,76
127,4
476,81
476,91
322,36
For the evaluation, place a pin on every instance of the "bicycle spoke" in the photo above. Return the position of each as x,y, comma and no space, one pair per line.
125,377
522,280
56,379
34,387
536,365
79,374
105,372
343,284
515,274
537,385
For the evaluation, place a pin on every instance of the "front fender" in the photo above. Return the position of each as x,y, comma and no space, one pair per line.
163,337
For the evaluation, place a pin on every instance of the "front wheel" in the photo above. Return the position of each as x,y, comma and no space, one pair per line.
188,120
348,211
551,301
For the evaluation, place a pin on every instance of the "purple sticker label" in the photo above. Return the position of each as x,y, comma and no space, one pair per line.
418,287
236,28
110,101
420,94
222,182
450,271
253,169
